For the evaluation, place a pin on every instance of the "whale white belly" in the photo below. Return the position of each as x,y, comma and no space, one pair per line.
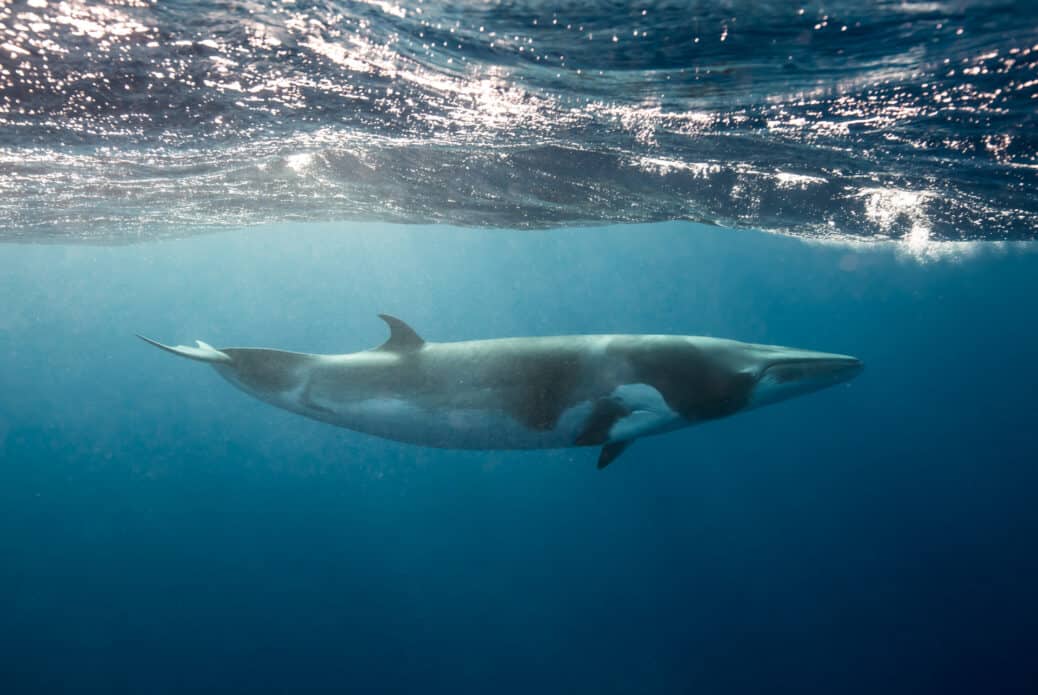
453,428
448,426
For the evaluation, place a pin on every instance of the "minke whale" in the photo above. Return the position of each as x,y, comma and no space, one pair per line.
526,393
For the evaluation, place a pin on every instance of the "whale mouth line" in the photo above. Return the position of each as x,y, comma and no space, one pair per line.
811,368
785,378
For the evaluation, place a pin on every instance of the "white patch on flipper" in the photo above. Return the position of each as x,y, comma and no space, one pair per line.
650,413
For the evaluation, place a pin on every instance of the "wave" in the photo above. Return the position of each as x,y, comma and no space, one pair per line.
134,120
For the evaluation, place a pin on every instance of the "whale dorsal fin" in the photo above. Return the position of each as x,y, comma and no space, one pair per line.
402,338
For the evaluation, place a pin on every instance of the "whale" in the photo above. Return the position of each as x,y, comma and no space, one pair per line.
548,392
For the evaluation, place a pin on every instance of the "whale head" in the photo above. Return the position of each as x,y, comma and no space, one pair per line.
784,373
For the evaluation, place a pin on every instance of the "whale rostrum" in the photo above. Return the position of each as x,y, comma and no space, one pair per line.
526,393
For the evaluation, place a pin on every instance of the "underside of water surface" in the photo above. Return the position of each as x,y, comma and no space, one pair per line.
134,120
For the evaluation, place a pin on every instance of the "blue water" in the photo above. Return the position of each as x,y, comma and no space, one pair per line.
863,119
161,532
241,172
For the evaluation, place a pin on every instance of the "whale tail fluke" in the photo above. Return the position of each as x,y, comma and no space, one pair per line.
202,353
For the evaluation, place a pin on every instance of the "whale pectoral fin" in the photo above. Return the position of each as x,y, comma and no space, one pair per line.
610,452
605,413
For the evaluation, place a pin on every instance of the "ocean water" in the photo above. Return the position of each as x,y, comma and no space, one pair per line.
852,177
163,532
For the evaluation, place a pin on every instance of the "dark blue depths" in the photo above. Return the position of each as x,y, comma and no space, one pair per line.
162,533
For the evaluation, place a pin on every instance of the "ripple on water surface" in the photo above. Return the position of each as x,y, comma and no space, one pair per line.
877,120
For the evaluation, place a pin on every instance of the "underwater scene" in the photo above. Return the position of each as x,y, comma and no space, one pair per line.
518,347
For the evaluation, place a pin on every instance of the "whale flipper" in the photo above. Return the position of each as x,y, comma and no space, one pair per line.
610,452
402,338
605,414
